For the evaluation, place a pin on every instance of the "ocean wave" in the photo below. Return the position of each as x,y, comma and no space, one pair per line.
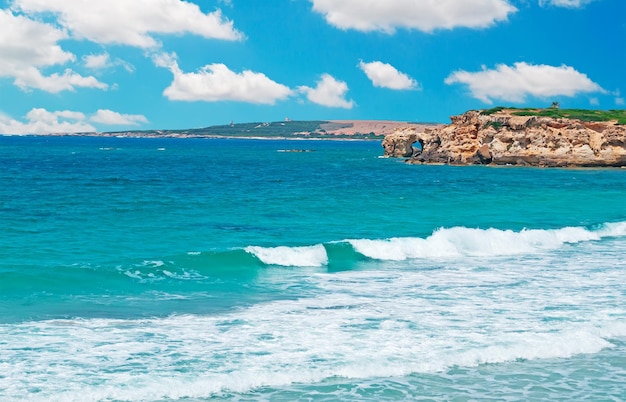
613,229
267,347
241,264
443,243
307,256
356,325
462,242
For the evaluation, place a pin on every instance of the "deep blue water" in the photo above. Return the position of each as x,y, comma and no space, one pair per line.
190,269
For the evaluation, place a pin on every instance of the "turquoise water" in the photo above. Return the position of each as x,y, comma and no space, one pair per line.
190,269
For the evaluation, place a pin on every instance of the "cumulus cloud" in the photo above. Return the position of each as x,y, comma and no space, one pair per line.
42,115
41,121
424,15
328,92
109,117
24,42
384,75
27,46
216,82
54,83
515,83
133,22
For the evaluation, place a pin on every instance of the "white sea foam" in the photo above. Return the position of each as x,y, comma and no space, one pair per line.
357,324
308,256
272,345
156,272
462,241
155,263
613,229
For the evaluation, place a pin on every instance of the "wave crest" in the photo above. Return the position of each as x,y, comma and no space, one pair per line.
307,256
452,242
462,241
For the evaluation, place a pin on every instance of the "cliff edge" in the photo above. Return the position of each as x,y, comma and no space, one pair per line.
506,137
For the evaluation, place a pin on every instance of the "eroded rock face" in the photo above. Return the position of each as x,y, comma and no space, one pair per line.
400,143
501,138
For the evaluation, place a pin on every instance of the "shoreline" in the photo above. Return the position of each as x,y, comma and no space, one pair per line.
208,137
282,130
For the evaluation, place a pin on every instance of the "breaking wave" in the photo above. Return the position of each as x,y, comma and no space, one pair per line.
308,256
443,243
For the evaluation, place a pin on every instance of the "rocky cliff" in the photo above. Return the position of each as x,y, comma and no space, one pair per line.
503,138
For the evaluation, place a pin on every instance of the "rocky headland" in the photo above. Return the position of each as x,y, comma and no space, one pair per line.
510,137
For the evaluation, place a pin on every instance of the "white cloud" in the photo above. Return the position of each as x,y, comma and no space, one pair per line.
42,115
515,83
423,15
216,82
41,121
54,83
619,101
103,61
132,22
97,61
384,75
594,101
565,3
166,60
24,42
328,92
109,117
26,46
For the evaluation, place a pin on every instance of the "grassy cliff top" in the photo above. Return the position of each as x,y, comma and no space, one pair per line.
580,114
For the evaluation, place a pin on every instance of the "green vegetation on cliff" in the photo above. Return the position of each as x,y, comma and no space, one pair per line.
555,112
493,110
274,129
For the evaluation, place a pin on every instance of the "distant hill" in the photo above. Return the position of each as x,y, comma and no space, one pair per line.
319,129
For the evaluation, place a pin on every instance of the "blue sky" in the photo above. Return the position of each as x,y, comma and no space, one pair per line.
84,65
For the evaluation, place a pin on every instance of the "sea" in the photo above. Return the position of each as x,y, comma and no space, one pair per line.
168,269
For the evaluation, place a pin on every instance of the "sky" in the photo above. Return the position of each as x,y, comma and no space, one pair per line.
118,65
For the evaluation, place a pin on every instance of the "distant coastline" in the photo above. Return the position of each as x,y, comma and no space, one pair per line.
284,130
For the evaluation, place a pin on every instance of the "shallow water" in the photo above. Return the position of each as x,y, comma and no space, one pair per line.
169,269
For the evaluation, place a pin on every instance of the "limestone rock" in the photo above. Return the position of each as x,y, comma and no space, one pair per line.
484,155
400,144
502,138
